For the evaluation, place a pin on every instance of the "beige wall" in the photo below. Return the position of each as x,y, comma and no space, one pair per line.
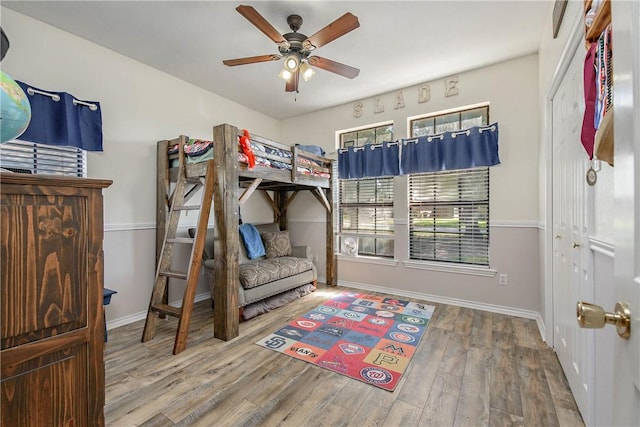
511,88
140,105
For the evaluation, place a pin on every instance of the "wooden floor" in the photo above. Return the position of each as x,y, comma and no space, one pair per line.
472,368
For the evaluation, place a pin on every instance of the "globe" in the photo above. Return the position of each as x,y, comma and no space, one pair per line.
15,110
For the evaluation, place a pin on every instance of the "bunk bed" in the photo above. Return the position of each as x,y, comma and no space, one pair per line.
279,173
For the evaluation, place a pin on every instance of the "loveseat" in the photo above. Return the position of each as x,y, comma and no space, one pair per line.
283,274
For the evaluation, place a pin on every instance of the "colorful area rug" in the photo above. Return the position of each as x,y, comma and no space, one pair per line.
366,337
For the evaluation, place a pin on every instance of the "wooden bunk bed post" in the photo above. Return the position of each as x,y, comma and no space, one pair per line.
162,195
162,205
226,313
332,265
325,197
281,215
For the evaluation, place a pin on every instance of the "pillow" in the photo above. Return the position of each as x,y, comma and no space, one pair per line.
277,244
252,241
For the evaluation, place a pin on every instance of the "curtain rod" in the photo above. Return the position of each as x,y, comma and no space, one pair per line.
56,97
31,91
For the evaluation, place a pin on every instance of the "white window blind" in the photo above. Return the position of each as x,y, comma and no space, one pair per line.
30,157
366,211
366,205
449,211
449,216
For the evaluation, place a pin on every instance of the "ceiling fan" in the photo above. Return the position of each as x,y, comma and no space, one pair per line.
296,48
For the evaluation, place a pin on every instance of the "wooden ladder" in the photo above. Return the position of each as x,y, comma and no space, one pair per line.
158,305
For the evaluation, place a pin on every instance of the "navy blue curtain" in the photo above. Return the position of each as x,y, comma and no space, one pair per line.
420,154
350,162
474,147
61,119
371,160
381,159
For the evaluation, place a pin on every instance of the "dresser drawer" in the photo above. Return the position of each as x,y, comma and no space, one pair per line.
43,266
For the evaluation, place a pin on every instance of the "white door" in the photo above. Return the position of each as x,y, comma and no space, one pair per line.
626,67
571,269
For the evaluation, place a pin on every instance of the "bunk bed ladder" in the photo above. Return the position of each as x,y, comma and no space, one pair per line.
158,305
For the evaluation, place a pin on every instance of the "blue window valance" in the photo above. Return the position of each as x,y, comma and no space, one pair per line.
371,160
474,147
470,148
350,161
58,118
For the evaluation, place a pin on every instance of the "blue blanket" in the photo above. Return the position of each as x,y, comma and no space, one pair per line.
252,241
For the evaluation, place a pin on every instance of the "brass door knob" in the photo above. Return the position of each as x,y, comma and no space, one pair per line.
593,316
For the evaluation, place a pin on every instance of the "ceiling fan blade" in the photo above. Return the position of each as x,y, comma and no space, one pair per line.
262,24
250,60
339,27
292,83
334,67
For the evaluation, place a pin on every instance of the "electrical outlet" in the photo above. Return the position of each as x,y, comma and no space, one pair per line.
315,258
502,279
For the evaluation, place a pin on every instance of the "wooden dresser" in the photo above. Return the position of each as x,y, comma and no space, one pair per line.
51,313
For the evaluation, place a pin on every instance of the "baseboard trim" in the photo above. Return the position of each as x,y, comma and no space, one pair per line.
541,327
510,311
121,321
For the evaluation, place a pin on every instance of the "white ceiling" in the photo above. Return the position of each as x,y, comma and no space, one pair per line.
398,43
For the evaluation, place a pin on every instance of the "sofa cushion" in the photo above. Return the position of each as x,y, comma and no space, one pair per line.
276,244
256,273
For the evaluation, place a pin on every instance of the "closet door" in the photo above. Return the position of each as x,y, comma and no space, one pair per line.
572,278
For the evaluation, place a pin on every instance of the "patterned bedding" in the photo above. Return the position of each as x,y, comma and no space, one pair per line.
197,151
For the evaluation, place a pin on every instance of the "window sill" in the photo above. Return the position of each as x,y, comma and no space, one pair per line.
451,268
369,260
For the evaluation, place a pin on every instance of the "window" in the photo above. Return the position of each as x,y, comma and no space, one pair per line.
448,122
449,211
366,205
366,210
361,137
30,157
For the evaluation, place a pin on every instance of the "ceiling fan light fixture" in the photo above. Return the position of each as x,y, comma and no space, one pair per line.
306,71
285,74
291,63
296,47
